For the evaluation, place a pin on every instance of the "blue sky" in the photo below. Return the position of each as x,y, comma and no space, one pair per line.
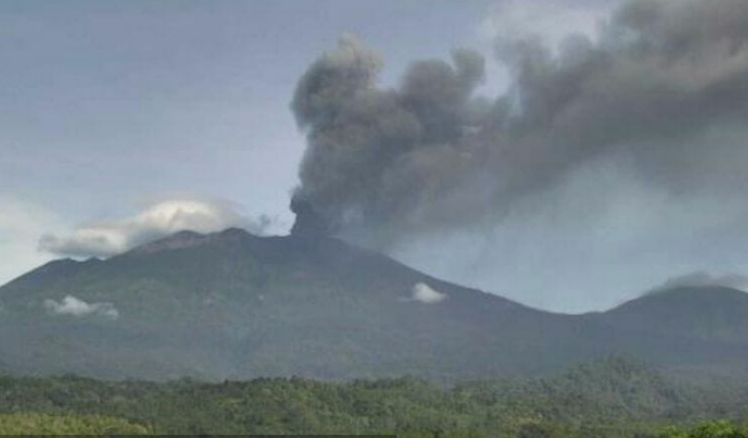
137,98
110,107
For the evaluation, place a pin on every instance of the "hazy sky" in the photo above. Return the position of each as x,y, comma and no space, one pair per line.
113,114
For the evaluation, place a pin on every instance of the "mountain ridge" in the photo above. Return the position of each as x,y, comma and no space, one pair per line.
701,311
234,305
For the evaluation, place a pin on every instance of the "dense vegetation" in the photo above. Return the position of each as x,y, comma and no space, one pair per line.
612,398
46,424
712,429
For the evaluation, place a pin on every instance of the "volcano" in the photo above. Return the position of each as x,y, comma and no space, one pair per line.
231,305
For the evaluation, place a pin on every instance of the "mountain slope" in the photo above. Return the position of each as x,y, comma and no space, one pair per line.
709,313
233,305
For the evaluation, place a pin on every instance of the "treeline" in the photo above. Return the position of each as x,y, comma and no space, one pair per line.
46,424
612,398
712,429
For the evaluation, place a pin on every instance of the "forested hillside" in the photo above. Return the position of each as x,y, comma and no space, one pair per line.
611,398
49,424
231,305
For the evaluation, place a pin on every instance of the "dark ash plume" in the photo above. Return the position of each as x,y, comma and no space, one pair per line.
663,85
308,223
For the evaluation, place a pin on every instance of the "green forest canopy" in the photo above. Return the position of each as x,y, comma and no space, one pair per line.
611,398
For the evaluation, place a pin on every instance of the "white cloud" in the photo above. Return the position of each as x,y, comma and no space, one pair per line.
159,220
73,306
425,294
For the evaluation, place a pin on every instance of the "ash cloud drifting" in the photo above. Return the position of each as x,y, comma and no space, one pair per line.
665,87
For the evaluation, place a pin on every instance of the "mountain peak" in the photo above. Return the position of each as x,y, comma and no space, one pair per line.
681,294
188,239
685,300
704,312
234,232
232,305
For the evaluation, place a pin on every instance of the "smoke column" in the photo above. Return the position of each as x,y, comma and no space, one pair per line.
662,87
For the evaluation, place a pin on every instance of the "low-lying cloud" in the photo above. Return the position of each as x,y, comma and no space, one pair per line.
162,219
75,307
424,293
703,279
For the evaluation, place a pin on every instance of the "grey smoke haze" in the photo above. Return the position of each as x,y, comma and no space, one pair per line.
664,89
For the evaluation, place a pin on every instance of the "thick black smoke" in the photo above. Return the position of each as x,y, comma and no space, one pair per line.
665,87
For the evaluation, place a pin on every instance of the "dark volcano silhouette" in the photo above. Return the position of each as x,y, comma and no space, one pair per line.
234,305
